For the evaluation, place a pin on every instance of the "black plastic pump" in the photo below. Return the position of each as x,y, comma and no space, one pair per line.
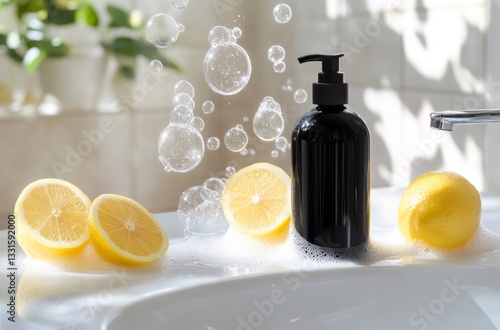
330,88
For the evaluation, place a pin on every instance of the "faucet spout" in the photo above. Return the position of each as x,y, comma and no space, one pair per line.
444,120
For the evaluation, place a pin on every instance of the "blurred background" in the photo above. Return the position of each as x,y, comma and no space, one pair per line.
86,108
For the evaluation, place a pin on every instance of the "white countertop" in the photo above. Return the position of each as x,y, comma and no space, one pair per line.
51,298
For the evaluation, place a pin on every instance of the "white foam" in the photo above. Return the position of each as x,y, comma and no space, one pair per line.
236,253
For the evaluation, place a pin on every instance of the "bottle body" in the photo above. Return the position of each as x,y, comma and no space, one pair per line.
331,177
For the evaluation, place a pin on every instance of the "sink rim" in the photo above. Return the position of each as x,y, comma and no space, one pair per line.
440,272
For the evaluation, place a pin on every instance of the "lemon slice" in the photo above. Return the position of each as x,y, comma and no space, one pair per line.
124,232
441,209
51,218
256,200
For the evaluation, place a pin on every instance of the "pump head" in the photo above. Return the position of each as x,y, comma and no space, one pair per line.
330,88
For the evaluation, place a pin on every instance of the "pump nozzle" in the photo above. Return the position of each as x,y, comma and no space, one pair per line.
330,88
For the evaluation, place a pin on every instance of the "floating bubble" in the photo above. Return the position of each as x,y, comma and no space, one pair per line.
155,66
274,153
216,185
230,170
246,119
162,30
208,107
281,143
180,4
236,139
181,114
279,66
268,122
198,123
220,35
180,148
282,13
276,53
226,66
252,151
213,143
300,96
237,32
183,99
184,86
244,152
200,211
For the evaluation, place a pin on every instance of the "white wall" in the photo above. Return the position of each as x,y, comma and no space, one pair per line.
404,59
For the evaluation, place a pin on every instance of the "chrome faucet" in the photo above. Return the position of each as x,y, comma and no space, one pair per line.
444,120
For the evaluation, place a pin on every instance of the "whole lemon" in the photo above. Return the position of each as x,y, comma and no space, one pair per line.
441,209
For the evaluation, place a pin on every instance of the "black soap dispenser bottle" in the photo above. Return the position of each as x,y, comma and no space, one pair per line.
331,165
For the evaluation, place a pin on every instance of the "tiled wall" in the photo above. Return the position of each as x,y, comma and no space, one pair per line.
404,59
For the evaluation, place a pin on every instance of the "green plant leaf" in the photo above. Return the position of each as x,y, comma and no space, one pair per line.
119,17
32,59
124,46
127,71
4,3
29,6
59,15
11,52
87,14
54,47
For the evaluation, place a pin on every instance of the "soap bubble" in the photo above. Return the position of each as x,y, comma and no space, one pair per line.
276,53
215,185
198,123
220,35
282,13
184,86
236,139
281,143
274,153
180,4
300,96
200,211
180,148
230,170
237,32
268,122
155,66
213,143
279,66
181,114
226,66
244,152
162,30
208,107
183,99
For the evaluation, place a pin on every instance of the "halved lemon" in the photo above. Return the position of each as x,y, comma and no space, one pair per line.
124,232
51,218
256,200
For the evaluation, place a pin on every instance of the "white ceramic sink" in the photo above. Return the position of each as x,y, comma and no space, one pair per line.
455,292
381,297
184,291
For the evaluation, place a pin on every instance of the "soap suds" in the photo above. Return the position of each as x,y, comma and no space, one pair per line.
237,253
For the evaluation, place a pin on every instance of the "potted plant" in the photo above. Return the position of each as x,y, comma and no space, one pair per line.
38,44
60,41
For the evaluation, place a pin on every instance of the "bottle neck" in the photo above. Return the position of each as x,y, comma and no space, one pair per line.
331,108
